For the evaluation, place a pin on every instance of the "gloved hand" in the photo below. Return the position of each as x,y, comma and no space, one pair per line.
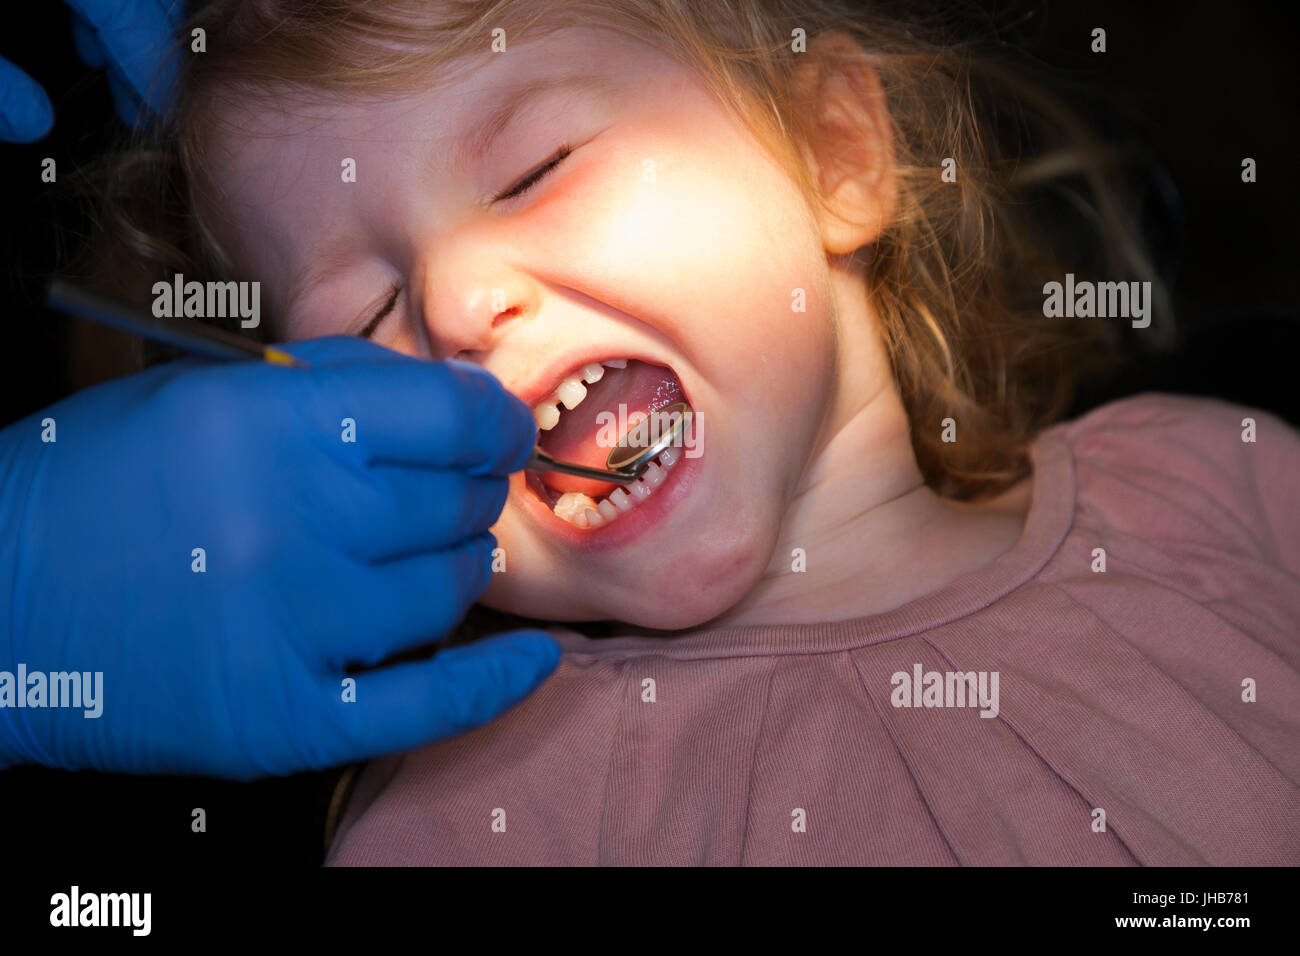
131,38
318,553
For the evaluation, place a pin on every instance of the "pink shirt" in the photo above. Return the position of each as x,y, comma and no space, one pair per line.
1118,692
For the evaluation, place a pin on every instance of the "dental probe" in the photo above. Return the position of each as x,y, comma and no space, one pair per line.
181,333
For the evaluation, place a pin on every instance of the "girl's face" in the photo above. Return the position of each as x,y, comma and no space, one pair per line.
664,234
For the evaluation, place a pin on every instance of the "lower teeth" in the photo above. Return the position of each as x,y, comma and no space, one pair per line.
585,512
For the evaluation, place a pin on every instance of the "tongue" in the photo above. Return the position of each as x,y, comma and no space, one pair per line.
641,387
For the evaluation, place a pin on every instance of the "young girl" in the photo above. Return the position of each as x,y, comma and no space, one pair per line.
883,610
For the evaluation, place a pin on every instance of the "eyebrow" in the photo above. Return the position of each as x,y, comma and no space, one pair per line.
474,146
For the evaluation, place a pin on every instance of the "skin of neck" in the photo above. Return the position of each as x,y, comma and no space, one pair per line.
874,535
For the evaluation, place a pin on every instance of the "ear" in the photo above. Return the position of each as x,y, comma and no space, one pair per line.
850,142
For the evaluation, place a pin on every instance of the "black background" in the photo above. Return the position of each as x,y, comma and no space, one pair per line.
1198,85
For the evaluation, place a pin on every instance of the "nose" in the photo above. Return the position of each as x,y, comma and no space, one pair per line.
469,299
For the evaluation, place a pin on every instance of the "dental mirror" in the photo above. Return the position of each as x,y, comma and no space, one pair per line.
635,450
640,446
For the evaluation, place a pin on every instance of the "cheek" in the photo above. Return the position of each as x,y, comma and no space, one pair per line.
714,247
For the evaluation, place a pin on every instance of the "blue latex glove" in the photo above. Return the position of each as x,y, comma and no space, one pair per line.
319,553
132,39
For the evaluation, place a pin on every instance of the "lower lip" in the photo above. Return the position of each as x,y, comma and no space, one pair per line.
627,527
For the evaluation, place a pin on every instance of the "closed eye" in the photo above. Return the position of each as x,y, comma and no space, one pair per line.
518,189
382,314
536,176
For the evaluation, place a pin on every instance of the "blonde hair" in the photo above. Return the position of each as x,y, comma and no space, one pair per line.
955,279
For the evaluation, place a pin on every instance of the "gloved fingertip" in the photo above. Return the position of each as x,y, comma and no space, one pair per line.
531,434
470,368
507,418
538,648
26,113
25,128
516,662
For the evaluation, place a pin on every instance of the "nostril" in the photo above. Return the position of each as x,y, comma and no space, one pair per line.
509,313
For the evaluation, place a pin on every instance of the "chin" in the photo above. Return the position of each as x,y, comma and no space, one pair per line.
674,588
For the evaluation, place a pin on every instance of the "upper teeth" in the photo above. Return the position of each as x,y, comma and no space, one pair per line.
571,392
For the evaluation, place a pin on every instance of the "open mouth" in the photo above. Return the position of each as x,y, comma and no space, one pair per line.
583,419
